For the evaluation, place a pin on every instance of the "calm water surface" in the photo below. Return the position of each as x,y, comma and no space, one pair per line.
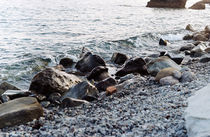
37,33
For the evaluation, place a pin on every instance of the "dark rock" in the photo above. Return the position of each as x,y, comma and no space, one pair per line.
189,27
137,65
167,3
45,104
4,98
187,47
199,50
84,90
198,6
196,43
89,62
119,58
207,29
163,42
52,80
6,86
66,62
187,52
102,85
188,37
205,58
54,98
175,57
200,37
162,62
98,73
13,94
19,111
71,102
84,51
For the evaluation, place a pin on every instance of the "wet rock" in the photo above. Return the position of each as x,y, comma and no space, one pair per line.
162,42
52,80
84,90
168,72
199,37
119,58
66,62
137,65
110,90
83,52
71,102
187,76
207,29
167,3
102,85
197,113
205,58
188,37
98,73
169,80
162,62
189,27
19,111
54,98
198,6
13,94
187,47
4,98
126,77
45,104
89,62
6,86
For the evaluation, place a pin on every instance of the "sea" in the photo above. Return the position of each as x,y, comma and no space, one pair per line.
35,34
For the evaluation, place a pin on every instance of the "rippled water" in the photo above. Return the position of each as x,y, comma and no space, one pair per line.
35,34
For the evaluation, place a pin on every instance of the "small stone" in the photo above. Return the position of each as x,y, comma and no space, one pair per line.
110,90
169,80
187,47
205,58
189,27
102,85
45,104
66,62
187,76
163,42
187,37
4,98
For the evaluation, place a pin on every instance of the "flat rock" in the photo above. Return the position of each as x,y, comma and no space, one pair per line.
72,102
197,113
19,111
52,80
160,63
167,3
13,94
205,58
6,86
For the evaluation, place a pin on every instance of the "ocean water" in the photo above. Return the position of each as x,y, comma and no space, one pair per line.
35,34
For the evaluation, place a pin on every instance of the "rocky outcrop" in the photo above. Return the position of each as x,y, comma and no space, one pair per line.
167,3
52,80
19,111
197,113
198,6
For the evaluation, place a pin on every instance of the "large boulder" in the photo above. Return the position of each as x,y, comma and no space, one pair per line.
19,111
197,113
52,80
198,6
167,3
160,63
84,91
89,62
6,86
136,65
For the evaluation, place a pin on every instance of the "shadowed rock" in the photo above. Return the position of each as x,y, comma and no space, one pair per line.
52,80
72,102
89,62
167,3
66,62
119,58
137,65
98,73
6,86
13,94
102,85
19,111
162,42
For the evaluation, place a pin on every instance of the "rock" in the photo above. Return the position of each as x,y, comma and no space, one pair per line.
6,86
199,37
167,3
71,102
187,47
198,49
168,72
83,52
52,80
175,57
89,62
187,76
160,63
198,6
190,28
102,85
119,58
207,29
110,90
98,73
169,80
54,98
126,77
197,113
4,98
66,62
163,42
45,104
19,111
84,90
188,37
207,50
205,58
13,94
137,65
59,67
